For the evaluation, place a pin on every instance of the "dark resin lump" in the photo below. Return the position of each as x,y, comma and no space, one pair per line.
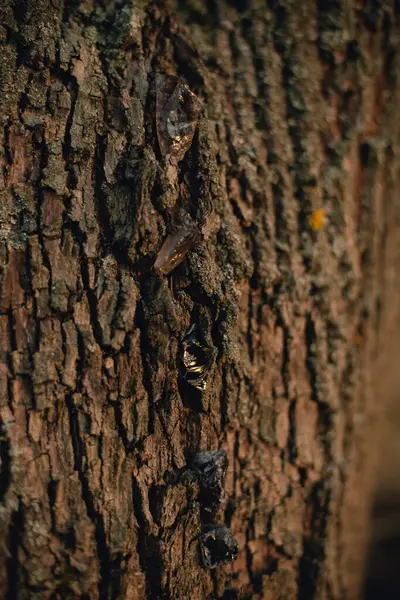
218,546
211,467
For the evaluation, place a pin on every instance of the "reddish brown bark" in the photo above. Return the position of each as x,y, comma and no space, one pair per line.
300,112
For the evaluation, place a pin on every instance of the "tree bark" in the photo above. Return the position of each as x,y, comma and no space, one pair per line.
299,113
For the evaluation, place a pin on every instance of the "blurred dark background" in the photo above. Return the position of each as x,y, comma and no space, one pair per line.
382,580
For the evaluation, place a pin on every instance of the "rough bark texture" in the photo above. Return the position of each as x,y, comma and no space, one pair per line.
300,111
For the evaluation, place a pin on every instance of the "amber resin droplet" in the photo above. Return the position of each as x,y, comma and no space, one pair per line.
176,246
197,360
177,110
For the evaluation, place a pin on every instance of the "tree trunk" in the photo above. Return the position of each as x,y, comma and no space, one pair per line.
293,179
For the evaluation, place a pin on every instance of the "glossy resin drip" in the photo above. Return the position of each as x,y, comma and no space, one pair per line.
176,246
177,110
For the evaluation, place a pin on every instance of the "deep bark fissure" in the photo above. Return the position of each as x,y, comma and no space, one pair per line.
310,339
87,496
140,322
5,463
147,554
99,183
314,545
42,148
14,540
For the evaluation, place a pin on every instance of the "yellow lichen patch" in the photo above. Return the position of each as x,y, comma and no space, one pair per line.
317,219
